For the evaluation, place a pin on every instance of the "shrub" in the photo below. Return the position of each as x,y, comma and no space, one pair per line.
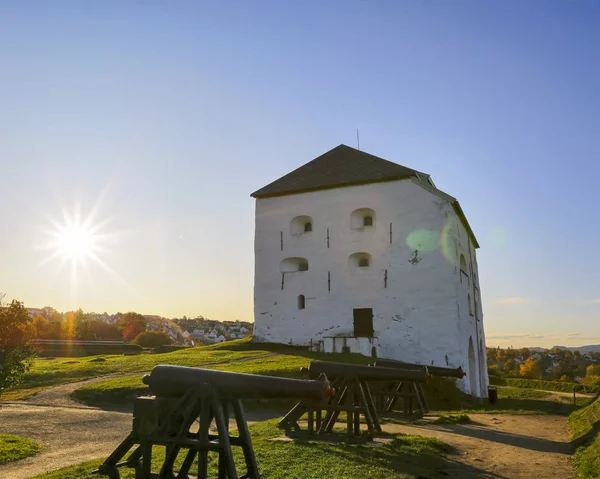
151,339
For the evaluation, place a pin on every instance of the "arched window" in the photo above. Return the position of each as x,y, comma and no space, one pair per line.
469,301
362,218
290,265
300,225
301,302
359,260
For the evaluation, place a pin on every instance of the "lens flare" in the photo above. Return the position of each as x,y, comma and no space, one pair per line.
423,240
448,241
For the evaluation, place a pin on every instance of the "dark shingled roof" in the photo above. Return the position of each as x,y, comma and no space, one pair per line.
347,166
342,166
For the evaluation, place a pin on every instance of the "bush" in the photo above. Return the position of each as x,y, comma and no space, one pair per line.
152,339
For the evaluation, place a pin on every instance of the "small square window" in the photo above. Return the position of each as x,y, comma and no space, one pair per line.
368,221
303,267
363,262
307,227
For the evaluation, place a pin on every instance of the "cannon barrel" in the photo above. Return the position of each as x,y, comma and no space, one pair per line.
433,370
167,380
366,373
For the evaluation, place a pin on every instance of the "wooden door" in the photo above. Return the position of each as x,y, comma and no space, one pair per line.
363,322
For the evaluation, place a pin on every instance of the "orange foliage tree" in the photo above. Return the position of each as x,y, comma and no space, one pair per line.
531,369
131,325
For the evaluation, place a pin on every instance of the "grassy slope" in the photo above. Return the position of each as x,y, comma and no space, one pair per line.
585,430
53,371
513,401
118,391
13,448
405,457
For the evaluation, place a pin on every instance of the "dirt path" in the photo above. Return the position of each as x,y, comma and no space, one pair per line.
502,446
68,435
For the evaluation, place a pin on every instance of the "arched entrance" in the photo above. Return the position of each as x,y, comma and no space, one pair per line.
482,370
472,367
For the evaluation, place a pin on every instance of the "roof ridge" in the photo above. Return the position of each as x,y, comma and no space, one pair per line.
340,166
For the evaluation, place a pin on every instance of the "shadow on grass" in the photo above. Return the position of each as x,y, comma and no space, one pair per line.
485,433
516,406
420,461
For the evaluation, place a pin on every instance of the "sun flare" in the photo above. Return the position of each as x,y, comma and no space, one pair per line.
81,246
76,241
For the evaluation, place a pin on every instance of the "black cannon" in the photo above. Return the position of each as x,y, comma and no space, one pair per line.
352,396
433,370
365,373
186,401
412,394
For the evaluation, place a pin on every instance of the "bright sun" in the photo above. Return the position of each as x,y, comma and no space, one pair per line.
75,242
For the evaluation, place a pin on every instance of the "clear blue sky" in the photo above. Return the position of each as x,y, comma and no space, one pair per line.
167,115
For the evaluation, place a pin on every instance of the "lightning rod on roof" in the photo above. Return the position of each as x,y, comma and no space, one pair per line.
357,140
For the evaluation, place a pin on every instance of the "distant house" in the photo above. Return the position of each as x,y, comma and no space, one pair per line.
211,337
33,312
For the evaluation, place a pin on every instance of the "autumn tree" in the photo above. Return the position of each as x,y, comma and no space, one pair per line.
105,331
511,367
531,369
83,326
131,325
40,327
16,351
68,328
